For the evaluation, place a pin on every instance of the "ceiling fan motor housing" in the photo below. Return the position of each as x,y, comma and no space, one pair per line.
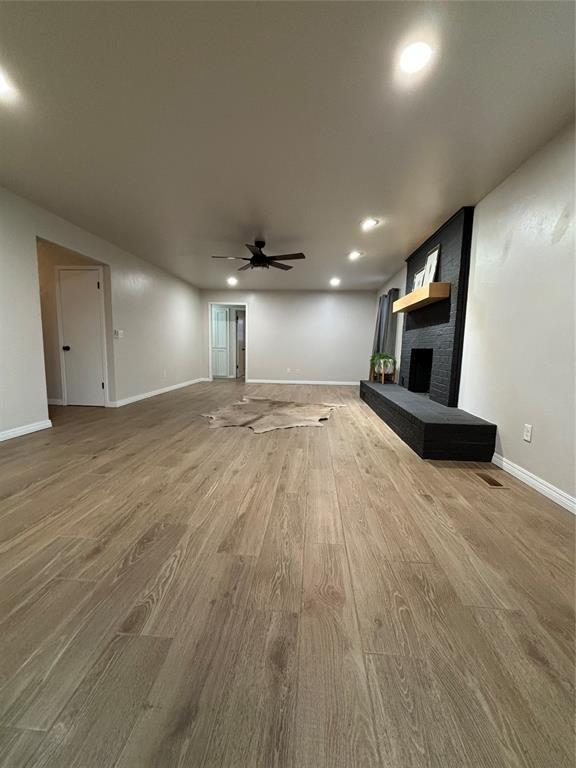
261,260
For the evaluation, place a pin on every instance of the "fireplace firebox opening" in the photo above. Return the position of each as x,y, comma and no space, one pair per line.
420,372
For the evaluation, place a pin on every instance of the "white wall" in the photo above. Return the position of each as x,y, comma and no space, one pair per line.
396,281
518,364
320,336
160,315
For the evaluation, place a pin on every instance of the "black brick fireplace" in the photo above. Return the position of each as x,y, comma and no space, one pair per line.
433,335
422,410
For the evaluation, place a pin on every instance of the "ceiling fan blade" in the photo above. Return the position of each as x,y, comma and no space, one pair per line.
288,257
254,250
246,266
279,266
231,258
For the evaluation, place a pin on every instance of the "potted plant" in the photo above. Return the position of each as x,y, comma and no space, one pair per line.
382,364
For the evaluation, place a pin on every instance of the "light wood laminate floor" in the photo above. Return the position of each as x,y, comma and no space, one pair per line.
172,595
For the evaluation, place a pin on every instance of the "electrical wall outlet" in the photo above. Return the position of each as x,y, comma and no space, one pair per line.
527,434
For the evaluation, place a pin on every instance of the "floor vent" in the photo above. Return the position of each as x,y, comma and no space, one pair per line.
489,480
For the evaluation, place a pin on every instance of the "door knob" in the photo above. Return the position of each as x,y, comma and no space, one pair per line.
66,348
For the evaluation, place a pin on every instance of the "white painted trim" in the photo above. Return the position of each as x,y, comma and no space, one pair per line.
55,401
227,304
542,486
303,381
145,395
8,434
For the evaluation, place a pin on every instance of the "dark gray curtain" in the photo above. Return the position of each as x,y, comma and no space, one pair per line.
385,335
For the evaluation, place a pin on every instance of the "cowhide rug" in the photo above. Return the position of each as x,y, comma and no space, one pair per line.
262,414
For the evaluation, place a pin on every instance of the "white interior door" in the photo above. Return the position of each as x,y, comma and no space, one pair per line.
81,330
220,341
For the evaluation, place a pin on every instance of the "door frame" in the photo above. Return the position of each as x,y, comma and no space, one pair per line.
227,304
237,351
102,330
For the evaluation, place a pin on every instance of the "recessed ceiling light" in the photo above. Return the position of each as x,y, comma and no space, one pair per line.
334,282
354,255
369,223
415,57
7,90
232,281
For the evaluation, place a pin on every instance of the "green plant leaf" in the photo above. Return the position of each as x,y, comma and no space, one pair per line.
381,356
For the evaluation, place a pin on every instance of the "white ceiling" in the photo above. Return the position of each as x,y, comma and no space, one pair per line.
183,130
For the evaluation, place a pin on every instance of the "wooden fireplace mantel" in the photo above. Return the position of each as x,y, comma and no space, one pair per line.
428,294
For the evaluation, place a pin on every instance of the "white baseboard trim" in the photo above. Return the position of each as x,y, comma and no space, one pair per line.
8,434
55,401
542,486
303,381
145,395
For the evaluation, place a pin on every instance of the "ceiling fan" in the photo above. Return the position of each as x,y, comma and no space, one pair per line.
259,260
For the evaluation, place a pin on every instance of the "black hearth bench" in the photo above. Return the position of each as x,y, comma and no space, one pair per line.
432,430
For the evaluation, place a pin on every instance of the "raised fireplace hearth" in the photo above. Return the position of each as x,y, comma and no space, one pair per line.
432,430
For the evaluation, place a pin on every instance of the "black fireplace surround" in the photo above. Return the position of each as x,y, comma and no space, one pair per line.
433,335
422,409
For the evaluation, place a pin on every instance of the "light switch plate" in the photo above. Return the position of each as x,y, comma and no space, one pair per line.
527,435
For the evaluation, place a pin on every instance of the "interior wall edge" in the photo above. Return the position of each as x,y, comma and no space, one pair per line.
302,381
542,486
26,429
154,393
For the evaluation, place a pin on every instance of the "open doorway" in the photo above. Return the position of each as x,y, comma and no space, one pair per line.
74,326
227,341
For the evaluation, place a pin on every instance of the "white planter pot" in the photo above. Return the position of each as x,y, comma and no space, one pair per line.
388,366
